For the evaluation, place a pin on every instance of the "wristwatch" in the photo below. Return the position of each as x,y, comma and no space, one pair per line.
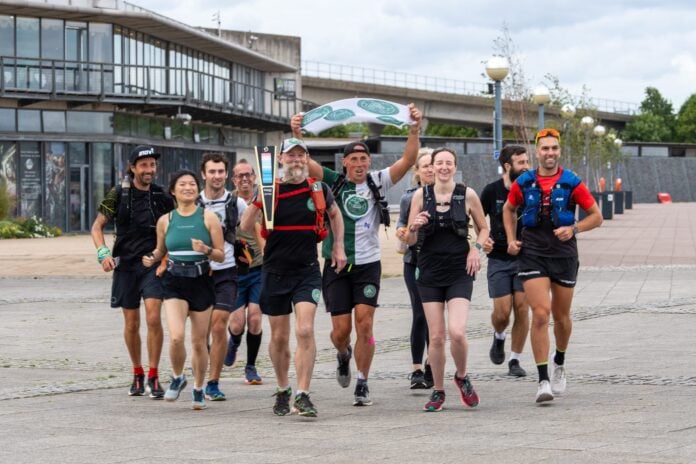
478,246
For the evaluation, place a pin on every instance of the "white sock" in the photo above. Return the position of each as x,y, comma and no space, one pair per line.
360,376
514,355
299,392
500,336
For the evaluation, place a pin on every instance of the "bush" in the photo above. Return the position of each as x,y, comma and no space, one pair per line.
32,227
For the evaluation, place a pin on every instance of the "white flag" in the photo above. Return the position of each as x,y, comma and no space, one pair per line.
356,110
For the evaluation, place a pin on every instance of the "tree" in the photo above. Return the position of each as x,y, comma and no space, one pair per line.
686,121
656,121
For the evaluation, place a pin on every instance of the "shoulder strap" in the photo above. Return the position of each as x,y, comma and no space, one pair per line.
373,187
338,185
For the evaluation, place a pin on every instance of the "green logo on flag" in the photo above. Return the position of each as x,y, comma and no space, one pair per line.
340,115
378,106
316,113
391,120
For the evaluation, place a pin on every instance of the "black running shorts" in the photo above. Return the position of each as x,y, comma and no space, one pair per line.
356,284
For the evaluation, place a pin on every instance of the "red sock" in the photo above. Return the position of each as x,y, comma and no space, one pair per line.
152,373
138,370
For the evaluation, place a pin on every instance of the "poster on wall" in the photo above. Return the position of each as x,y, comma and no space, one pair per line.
30,180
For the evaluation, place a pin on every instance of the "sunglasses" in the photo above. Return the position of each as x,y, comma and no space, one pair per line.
247,175
547,133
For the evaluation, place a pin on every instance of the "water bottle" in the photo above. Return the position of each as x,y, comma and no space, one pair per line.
125,182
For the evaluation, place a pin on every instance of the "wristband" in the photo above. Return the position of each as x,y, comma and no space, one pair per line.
478,246
209,251
103,252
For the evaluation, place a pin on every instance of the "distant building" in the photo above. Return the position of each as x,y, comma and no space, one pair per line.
84,81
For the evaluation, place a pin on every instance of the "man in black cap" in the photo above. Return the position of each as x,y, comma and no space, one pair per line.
134,206
360,195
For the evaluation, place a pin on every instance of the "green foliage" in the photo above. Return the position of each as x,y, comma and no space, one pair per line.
656,121
449,130
686,121
6,201
32,227
342,132
393,130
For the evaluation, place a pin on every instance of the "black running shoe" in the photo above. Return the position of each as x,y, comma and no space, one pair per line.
343,368
138,386
303,406
497,352
282,402
417,380
362,394
154,388
515,370
428,376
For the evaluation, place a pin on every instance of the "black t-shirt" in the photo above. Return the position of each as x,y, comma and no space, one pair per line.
290,251
493,198
442,256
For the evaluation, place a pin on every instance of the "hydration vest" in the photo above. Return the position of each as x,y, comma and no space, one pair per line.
562,208
159,204
316,193
231,216
460,220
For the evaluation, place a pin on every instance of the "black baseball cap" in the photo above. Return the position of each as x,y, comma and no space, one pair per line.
354,147
142,151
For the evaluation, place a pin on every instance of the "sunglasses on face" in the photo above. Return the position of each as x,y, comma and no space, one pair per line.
547,133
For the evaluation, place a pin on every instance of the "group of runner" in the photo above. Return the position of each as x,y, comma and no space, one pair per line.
210,257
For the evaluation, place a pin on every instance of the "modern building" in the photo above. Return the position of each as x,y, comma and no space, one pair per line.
84,81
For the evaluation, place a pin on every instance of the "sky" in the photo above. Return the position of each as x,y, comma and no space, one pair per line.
612,48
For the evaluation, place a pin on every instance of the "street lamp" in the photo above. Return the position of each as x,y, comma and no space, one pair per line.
567,111
586,122
497,69
541,96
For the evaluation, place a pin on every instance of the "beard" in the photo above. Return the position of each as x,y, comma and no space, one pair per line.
515,174
296,173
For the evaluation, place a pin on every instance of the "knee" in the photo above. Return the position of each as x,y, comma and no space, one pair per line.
154,322
280,339
176,340
131,326
304,332
254,322
437,340
540,319
218,328
458,337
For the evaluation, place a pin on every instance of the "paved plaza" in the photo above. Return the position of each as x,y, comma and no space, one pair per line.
631,371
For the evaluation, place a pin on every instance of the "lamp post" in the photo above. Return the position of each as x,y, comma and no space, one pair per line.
586,122
497,69
541,96
599,131
567,113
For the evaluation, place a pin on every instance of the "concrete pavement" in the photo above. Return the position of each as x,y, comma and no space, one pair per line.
630,364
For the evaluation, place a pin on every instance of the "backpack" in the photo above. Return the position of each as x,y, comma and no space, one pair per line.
231,216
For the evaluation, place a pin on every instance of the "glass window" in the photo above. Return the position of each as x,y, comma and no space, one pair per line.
89,122
102,171
52,39
53,121
29,120
100,43
8,170
7,120
76,41
28,37
54,182
7,35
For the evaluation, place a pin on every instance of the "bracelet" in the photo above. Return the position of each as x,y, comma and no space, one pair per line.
411,229
209,251
103,252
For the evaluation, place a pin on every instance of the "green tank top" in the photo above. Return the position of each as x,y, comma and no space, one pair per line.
180,232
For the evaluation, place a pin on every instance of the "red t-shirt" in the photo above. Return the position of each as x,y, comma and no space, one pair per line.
540,241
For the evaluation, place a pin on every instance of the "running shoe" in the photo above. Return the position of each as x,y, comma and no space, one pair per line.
515,370
282,402
251,377
154,388
175,388
343,368
466,391
544,392
198,400
212,391
231,356
558,379
418,380
362,394
303,406
138,386
497,352
437,399
428,376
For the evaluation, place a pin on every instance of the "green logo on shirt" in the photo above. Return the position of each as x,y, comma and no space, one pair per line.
355,206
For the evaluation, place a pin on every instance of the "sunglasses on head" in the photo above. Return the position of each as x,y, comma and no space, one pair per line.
549,132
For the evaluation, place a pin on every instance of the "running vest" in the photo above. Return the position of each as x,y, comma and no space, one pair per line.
562,209
316,193
460,220
159,205
180,232
231,216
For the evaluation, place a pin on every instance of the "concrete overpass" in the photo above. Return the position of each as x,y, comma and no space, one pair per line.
467,104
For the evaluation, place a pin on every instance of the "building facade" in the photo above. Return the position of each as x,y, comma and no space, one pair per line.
84,81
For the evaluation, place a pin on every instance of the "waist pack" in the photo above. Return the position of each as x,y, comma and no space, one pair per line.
243,256
190,270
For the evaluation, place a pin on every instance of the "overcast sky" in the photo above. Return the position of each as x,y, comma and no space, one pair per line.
615,48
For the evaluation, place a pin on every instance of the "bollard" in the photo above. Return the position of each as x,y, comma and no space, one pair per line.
628,199
618,202
607,205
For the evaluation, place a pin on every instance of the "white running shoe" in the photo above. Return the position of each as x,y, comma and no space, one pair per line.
544,392
558,379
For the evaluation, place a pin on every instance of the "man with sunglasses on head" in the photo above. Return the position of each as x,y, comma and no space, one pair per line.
504,286
547,249
360,195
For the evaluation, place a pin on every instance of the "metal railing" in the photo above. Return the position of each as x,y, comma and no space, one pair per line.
108,81
432,84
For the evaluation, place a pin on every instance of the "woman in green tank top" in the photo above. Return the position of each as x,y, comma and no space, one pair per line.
191,236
